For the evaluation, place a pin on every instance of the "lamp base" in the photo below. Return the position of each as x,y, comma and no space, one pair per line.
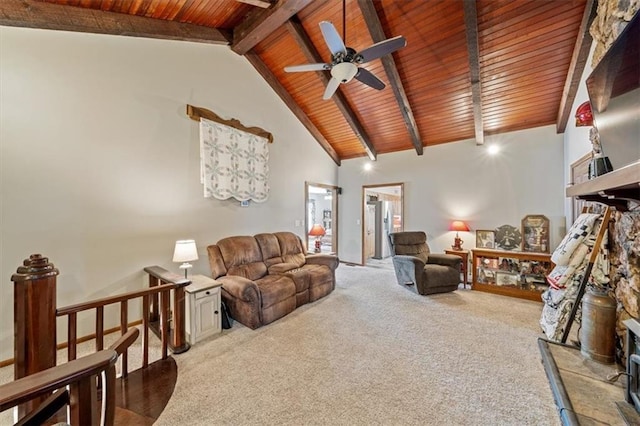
457,244
318,246
186,267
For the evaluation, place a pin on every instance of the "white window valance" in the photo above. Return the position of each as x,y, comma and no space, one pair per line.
233,163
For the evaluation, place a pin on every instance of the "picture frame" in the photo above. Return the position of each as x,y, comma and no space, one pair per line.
535,234
485,238
507,279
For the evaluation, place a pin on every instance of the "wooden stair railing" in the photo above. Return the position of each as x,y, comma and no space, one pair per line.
170,282
81,376
35,312
177,338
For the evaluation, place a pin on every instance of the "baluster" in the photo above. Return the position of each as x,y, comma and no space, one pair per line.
83,405
99,328
145,331
72,336
109,396
164,321
123,329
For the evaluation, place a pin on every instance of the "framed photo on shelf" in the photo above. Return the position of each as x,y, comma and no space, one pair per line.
485,238
507,279
535,233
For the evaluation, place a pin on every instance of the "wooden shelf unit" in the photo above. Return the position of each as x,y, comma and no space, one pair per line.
615,188
527,282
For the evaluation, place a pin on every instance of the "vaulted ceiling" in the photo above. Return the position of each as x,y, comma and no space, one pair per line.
469,69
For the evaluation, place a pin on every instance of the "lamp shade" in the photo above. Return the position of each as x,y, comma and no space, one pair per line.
185,251
458,225
317,230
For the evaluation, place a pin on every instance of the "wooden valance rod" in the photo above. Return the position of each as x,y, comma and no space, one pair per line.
196,113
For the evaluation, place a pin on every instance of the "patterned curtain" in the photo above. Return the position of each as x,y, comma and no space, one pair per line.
233,163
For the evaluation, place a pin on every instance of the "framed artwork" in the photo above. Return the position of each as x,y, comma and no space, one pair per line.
535,233
485,238
507,279
508,237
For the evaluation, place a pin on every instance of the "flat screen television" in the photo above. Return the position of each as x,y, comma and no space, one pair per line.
614,93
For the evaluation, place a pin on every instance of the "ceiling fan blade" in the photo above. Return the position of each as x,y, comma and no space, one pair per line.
331,88
332,38
365,76
382,48
307,67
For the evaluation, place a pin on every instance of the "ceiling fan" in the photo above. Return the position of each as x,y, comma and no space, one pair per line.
345,60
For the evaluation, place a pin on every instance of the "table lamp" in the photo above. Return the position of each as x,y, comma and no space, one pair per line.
185,251
317,231
458,225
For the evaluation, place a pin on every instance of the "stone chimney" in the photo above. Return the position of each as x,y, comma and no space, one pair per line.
611,19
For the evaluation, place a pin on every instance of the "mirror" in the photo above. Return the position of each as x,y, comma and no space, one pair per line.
321,218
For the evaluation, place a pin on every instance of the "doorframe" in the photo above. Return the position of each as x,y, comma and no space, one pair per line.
334,213
362,212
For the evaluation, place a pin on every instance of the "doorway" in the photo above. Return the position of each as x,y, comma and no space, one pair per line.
382,214
321,218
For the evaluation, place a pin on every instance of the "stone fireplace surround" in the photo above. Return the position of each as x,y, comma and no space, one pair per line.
570,375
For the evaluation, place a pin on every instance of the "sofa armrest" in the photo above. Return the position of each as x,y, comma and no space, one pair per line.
240,288
444,259
323,259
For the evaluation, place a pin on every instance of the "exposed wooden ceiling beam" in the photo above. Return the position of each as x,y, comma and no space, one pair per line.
297,31
36,14
266,73
471,24
261,23
260,3
576,67
377,34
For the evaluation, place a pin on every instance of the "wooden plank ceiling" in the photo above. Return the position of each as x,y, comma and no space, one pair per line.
470,68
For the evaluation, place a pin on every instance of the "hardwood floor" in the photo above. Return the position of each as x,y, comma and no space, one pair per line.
142,396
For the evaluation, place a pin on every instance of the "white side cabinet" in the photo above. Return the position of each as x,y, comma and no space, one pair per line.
203,305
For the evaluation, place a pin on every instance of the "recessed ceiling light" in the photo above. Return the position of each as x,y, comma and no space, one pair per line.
367,167
493,149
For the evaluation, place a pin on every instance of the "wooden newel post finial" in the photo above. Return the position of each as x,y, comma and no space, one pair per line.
34,313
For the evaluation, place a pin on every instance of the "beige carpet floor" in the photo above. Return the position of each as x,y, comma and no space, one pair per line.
371,353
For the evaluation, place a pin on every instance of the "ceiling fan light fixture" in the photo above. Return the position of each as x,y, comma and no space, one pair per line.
344,72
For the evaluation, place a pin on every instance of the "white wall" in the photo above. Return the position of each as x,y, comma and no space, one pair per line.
99,162
461,181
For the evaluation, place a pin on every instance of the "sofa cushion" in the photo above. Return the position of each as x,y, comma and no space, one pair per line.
270,248
291,248
275,289
242,256
216,262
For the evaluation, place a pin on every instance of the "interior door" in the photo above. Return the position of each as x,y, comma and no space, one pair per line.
321,208
389,198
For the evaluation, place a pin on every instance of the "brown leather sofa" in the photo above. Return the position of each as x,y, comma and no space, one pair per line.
266,276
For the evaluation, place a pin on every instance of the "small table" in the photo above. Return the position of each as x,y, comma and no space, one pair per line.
203,305
464,254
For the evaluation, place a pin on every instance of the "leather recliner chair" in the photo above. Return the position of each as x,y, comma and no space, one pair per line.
415,264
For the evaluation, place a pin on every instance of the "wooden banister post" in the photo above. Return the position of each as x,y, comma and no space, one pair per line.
179,322
34,313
